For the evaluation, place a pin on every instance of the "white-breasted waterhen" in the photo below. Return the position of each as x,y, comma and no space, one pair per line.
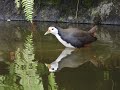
73,37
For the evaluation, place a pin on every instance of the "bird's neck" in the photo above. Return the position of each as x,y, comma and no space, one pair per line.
59,38
63,42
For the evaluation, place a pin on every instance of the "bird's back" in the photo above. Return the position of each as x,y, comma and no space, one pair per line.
77,38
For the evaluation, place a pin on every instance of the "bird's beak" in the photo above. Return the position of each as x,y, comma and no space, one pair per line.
48,65
47,32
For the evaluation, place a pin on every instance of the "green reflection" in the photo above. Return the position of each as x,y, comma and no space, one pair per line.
26,73
26,68
52,83
106,75
8,82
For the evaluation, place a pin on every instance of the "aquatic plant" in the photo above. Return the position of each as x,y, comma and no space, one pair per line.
28,8
18,3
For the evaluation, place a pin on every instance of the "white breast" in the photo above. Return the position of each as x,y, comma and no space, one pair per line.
64,42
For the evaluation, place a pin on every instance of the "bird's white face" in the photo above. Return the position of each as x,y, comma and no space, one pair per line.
52,30
52,67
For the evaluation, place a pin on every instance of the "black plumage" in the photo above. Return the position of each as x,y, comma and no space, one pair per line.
77,38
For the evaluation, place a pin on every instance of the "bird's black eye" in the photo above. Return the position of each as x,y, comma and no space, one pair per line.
52,68
52,29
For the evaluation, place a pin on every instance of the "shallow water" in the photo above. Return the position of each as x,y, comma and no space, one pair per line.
24,57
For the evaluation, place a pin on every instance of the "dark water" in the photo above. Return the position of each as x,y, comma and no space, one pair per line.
24,57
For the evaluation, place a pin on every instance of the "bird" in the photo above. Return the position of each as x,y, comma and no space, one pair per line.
73,37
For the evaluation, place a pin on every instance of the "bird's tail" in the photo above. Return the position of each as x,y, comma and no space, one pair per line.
93,30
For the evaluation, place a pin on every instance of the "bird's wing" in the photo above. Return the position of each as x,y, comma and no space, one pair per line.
77,37
72,40
80,33
84,37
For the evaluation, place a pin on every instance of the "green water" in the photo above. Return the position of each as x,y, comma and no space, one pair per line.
25,58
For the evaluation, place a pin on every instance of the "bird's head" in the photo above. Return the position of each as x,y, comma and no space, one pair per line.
52,67
52,30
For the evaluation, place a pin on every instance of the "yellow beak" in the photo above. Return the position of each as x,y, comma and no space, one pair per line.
47,32
48,65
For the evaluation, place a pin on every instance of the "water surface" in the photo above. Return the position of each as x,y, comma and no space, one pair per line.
24,57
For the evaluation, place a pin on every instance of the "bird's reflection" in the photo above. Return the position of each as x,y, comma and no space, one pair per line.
54,66
72,58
